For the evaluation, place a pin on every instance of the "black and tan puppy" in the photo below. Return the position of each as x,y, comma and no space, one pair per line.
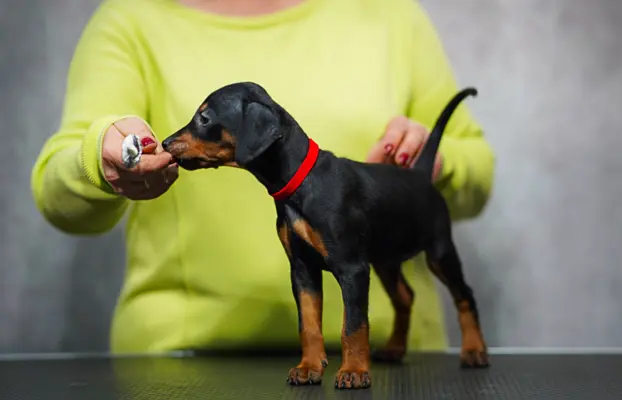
338,215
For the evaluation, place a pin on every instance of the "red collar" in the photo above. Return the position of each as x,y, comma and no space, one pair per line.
301,174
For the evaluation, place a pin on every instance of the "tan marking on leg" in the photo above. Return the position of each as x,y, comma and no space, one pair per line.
354,371
314,360
309,235
284,237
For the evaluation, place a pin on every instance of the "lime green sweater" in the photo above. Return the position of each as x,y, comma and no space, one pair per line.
204,264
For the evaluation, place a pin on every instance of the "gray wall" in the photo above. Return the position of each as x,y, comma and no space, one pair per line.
56,292
544,259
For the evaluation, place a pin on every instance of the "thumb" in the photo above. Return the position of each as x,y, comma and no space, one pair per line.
150,144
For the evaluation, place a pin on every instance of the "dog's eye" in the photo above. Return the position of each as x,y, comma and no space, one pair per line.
204,119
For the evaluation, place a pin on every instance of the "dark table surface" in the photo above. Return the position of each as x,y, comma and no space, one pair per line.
422,376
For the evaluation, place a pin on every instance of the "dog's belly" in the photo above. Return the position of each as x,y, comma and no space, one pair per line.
394,249
399,242
400,228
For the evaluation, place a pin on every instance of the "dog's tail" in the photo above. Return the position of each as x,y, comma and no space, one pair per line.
425,162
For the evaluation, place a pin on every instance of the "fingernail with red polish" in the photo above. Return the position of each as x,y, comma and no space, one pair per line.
403,158
146,141
388,148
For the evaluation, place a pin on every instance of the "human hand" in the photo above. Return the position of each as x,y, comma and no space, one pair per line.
400,145
151,177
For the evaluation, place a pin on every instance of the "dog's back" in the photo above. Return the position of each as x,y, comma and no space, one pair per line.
401,207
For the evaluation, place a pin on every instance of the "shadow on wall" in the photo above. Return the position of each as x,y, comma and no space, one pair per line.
57,292
63,299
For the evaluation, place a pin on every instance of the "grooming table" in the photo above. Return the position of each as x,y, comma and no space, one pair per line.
422,376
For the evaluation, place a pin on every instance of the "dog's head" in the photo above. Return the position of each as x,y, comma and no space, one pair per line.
232,127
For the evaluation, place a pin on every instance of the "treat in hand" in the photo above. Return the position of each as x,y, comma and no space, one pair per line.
134,162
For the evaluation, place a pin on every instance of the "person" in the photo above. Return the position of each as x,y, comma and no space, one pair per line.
205,268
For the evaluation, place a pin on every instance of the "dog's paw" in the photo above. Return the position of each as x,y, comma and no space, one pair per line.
388,355
305,374
470,359
352,378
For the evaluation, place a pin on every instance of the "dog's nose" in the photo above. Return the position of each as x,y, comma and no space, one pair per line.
167,142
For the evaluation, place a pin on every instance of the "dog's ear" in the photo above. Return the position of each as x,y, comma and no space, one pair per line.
259,130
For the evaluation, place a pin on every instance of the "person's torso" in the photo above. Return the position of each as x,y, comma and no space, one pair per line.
335,66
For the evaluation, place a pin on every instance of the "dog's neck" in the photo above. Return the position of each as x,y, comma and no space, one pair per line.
280,162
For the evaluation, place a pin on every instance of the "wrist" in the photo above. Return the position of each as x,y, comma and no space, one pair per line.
91,152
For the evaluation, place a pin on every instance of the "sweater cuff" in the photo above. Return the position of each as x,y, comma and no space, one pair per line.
91,152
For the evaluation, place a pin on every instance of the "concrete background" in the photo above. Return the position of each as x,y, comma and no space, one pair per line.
544,259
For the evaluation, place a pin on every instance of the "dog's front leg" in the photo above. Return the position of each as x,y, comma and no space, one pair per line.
307,289
354,281
306,281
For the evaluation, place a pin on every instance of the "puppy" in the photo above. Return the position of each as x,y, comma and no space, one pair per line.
338,215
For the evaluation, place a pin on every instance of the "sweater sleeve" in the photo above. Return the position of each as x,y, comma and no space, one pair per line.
104,84
468,159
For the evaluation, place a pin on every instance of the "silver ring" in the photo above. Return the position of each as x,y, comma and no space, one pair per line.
131,151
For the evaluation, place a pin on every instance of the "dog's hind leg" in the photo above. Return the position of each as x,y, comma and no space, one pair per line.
442,258
402,298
